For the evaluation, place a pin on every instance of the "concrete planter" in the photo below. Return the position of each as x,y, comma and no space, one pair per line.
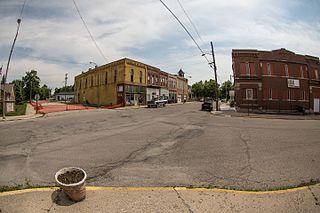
76,191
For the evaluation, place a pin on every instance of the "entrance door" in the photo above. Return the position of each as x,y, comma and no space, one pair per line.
316,105
136,99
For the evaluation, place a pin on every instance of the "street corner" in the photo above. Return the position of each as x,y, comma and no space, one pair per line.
163,199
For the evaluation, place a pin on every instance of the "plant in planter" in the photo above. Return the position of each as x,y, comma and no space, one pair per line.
72,181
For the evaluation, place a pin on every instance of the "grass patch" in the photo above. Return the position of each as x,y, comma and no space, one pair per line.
21,187
20,110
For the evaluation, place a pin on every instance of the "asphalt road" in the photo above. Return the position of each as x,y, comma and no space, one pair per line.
172,146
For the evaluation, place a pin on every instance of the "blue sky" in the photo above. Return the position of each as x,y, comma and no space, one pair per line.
53,40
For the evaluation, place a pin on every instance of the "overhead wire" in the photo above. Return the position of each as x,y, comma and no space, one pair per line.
182,25
41,58
22,9
190,35
87,28
191,22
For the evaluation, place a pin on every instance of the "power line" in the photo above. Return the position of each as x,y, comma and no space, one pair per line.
86,26
22,9
195,42
191,22
182,26
41,58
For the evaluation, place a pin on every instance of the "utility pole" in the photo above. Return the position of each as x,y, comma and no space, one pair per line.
65,90
5,76
0,84
215,76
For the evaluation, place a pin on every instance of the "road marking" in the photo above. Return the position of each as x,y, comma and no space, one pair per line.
103,188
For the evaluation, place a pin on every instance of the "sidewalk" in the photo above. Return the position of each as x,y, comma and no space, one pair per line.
163,199
30,114
228,111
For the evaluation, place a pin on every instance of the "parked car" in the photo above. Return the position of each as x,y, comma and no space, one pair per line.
157,102
201,99
207,105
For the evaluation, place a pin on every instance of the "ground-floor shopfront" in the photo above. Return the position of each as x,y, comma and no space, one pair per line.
172,96
164,93
152,92
131,95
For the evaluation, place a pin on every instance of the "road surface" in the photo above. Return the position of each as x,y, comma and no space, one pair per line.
173,146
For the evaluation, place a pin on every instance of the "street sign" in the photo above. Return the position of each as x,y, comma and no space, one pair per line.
293,83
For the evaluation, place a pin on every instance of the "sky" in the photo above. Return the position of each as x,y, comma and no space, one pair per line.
54,41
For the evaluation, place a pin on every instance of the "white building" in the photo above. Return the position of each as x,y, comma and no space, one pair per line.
63,96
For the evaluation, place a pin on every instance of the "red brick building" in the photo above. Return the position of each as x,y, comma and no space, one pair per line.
277,80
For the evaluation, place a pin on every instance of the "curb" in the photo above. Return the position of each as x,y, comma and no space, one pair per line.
106,188
23,118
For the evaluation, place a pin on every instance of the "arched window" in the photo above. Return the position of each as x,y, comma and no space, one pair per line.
140,76
132,75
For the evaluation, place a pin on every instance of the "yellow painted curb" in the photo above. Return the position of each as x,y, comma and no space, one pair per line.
103,188
22,191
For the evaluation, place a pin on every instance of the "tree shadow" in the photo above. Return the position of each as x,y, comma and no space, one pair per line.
60,198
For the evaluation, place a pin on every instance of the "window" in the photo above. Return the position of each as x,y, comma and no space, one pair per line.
249,94
140,76
303,94
152,80
132,75
91,81
247,68
270,94
301,72
106,78
316,74
86,85
80,84
286,70
98,80
268,69
115,76
290,95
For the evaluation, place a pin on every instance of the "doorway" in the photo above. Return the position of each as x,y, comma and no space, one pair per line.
316,105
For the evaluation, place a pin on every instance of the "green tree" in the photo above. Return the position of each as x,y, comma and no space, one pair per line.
224,89
19,91
209,88
205,89
44,92
64,89
197,89
32,84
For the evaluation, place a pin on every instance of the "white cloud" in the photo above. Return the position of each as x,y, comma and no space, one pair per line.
144,30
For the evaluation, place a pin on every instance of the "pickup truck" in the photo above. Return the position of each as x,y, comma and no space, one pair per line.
207,105
156,102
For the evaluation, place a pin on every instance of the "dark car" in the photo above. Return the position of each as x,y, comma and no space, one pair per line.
207,105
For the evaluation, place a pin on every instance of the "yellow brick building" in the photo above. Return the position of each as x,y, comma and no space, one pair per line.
119,82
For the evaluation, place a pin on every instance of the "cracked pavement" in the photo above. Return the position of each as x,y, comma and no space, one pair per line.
173,146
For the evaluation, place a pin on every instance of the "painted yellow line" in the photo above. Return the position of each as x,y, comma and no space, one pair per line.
22,191
103,188
247,192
